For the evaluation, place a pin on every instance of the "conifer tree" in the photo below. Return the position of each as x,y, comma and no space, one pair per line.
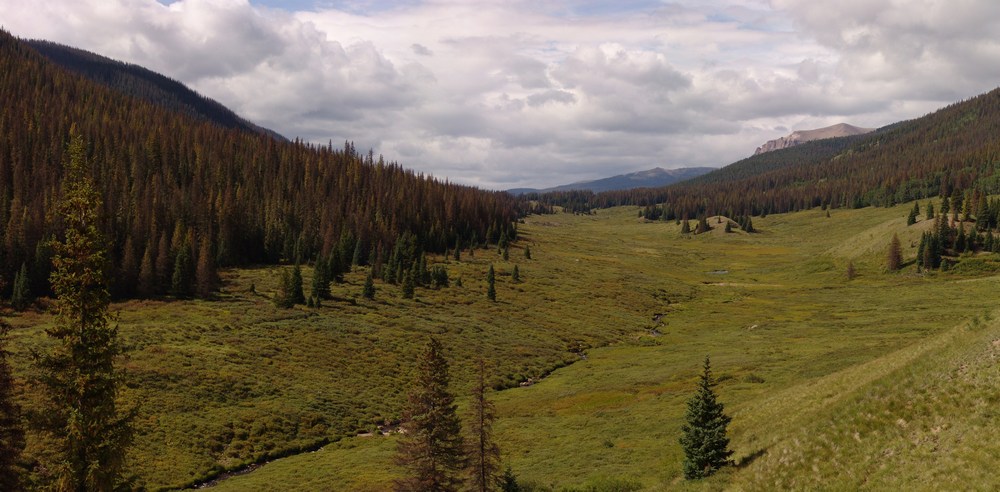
369,289
147,274
527,252
21,295
11,431
515,275
484,453
729,227
205,274
704,431
180,284
431,448
685,227
894,258
930,210
409,284
491,289
702,225
296,294
80,374
284,297
321,279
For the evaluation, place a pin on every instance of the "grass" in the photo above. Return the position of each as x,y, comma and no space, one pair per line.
793,342
791,339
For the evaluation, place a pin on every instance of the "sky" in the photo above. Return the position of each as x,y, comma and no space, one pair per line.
537,93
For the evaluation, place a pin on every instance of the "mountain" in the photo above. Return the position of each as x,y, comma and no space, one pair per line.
144,84
953,149
650,178
172,182
802,136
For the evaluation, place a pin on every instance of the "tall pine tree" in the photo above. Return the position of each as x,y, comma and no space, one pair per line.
491,288
484,453
80,374
431,448
704,431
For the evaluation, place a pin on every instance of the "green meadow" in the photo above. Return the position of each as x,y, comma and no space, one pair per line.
886,380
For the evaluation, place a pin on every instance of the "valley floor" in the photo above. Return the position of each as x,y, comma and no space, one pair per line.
887,380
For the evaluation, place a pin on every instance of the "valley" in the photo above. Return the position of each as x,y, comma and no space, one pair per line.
234,380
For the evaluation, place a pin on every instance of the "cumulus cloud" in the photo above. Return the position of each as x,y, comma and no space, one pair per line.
524,93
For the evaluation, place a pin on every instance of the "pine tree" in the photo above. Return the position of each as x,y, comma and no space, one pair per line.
527,252
11,431
515,275
80,375
506,253
369,288
911,218
296,294
729,227
180,284
484,453
491,289
704,431
930,210
284,297
685,227
205,274
702,225
409,284
894,259
508,482
147,274
20,297
431,448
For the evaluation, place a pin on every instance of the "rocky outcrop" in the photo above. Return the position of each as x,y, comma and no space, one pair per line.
802,136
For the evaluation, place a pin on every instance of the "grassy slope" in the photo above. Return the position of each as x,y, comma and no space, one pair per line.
797,348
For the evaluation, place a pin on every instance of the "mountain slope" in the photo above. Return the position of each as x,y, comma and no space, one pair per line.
650,178
144,84
171,181
802,136
954,148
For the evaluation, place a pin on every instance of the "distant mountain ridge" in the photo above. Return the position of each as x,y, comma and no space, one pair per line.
650,178
145,84
803,136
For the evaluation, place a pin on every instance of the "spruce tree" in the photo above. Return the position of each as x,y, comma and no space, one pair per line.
409,284
894,259
491,289
515,275
484,453
930,210
431,447
369,289
90,435
11,431
704,431
180,283
20,297
296,294
283,298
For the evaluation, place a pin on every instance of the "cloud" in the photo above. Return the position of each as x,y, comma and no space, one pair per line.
524,93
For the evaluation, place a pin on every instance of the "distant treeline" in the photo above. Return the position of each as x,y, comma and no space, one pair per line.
179,188
955,148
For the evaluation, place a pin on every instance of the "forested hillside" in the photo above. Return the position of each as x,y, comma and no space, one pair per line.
144,84
955,148
184,196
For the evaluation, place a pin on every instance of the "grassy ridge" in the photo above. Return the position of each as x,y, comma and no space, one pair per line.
792,340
